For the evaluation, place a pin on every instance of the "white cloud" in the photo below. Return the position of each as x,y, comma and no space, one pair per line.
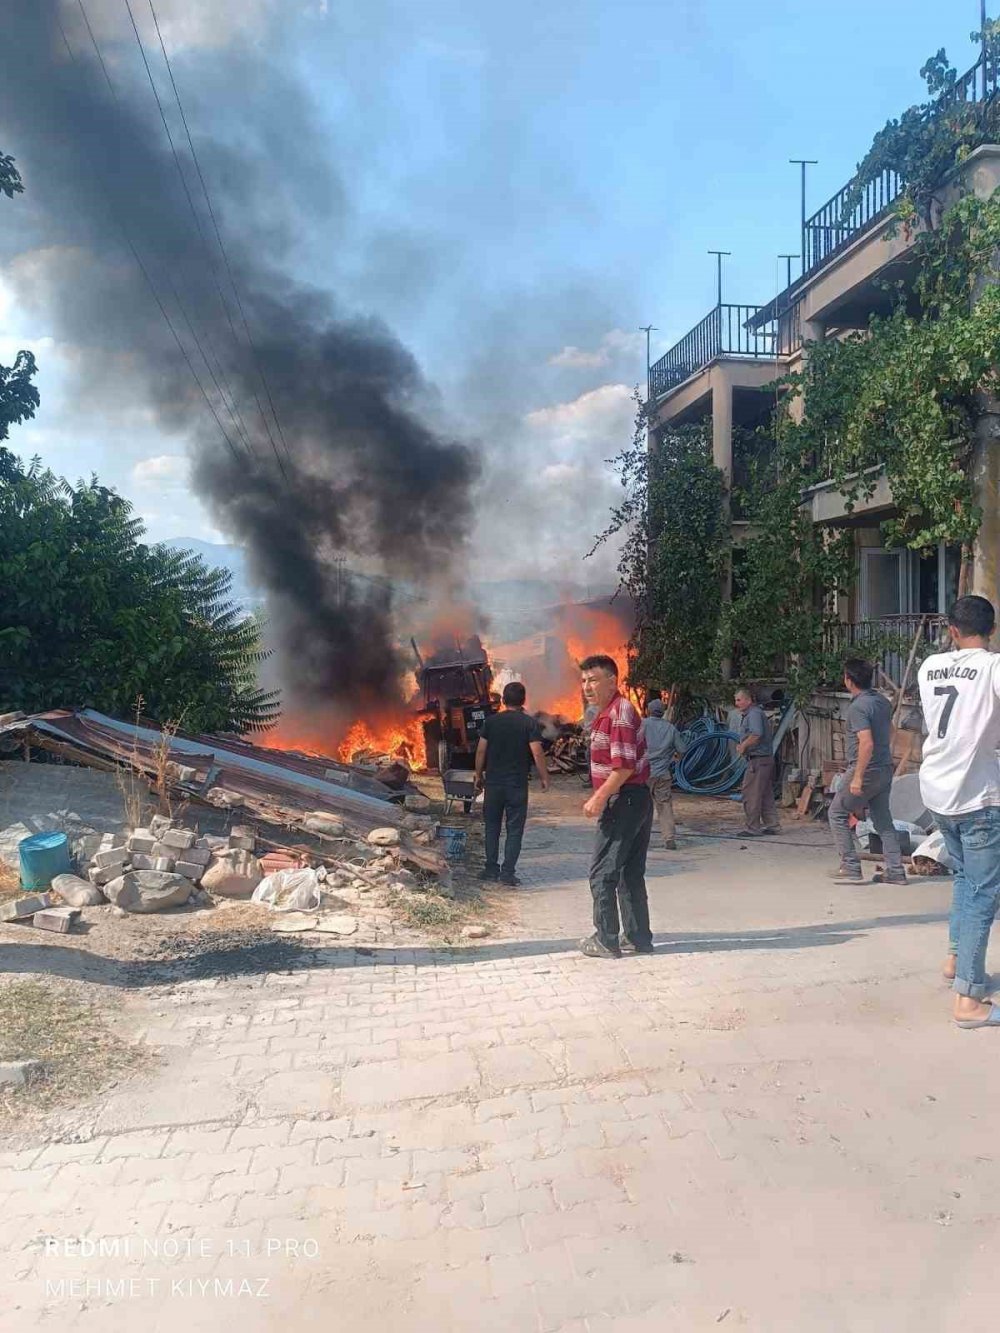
614,345
162,470
597,413
185,24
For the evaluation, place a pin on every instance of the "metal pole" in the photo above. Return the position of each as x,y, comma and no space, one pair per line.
718,274
647,329
982,31
788,267
803,162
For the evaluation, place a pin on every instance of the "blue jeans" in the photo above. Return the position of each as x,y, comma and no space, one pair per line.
973,842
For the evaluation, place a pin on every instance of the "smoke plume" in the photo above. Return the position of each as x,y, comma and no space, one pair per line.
321,448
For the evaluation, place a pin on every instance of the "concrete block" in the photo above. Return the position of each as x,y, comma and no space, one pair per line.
189,869
159,824
177,839
198,856
163,863
57,919
140,861
111,857
142,841
110,840
242,838
19,908
101,877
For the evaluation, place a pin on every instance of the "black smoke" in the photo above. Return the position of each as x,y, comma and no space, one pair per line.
343,463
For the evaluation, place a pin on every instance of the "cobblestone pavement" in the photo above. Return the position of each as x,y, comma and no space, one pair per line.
769,1124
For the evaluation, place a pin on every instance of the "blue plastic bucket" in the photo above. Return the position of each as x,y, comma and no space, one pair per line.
43,856
454,842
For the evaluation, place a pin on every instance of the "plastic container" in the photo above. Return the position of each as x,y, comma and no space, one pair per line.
43,856
453,840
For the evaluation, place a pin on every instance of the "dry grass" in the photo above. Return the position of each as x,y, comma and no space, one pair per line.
48,1021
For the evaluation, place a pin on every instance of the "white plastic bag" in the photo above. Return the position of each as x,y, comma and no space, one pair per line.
289,891
933,849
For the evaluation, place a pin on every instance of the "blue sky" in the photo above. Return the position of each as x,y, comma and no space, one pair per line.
518,188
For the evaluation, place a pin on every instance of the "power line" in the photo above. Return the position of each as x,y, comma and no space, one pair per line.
138,258
232,408
218,236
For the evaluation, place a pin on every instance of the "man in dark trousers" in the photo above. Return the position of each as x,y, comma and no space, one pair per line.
511,740
757,748
622,804
868,780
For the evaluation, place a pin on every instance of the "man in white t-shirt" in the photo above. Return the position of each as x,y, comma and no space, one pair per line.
960,784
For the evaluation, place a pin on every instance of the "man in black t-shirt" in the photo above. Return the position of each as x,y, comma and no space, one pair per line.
511,741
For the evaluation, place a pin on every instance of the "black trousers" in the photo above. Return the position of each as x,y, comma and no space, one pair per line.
618,870
506,799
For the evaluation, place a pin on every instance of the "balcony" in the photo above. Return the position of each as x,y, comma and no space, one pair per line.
889,640
725,331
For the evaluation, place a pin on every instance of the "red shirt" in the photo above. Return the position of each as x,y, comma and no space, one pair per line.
616,742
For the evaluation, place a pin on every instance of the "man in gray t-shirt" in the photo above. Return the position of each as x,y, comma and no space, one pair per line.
663,742
756,746
868,780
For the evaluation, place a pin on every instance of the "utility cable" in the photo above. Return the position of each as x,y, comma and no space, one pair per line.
233,407
218,236
138,258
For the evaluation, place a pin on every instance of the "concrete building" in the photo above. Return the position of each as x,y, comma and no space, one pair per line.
723,373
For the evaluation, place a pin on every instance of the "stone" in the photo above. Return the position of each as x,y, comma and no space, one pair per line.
110,858
338,925
198,856
118,911
142,841
175,840
142,862
144,891
242,839
293,923
189,869
384,837
112,840
77,892
57,919
19,908
417,802
100,877
223,799
17,1073
475,932
164,864
159,825
330,825
234,874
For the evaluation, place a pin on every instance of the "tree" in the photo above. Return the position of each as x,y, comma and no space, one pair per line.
673,556
93,617
18,396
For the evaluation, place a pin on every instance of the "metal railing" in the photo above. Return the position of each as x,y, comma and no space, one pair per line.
889,639
857,207
723,332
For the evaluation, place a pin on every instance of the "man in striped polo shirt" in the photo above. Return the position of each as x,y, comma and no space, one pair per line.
623,807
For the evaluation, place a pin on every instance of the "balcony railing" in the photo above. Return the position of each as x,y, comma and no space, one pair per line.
723,332
889,639
858,207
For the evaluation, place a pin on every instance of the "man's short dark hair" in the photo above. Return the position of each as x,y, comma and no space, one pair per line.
600,662
859,672
514,694
745,692
973,616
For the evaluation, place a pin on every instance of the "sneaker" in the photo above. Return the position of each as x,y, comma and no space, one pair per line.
749,833
670,844
771,832
843,876
884,877
591,947
510,880
626,946
489,876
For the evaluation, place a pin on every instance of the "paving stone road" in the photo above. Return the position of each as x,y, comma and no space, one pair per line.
769,1124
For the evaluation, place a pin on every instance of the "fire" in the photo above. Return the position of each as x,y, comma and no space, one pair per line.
548,663
401,738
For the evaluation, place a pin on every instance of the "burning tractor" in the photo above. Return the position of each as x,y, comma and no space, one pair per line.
457,698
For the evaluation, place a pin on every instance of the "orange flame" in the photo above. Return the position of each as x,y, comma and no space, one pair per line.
401,738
